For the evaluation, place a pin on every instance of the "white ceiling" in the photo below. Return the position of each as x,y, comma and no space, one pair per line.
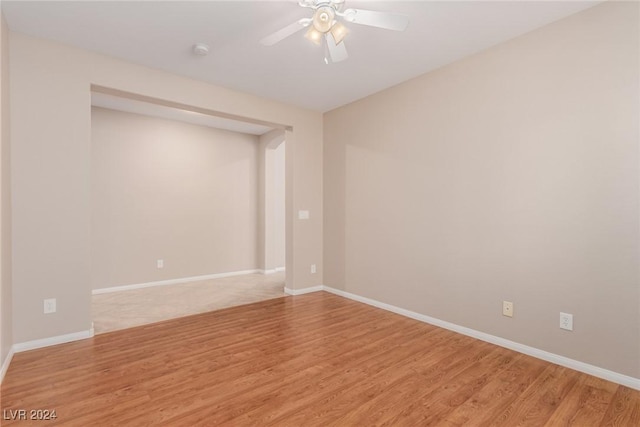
161,35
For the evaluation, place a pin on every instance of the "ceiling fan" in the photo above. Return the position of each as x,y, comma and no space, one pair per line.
325,26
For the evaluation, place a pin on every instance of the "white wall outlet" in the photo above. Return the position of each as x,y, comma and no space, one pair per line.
160,263
566,321
303,214
49,306
507,308
313,269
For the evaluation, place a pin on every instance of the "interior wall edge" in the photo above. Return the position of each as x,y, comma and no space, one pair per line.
6,362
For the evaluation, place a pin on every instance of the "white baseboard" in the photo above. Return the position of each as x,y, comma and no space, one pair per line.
279,269
5,363
46,342
173,281
303,290
520,348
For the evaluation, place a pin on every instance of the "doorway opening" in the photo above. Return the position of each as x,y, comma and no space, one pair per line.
188,212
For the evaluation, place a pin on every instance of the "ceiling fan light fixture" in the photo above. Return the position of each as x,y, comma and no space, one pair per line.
314,35
328,22
323,18
339,32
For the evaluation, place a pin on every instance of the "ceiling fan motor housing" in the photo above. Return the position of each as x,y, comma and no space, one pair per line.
323,18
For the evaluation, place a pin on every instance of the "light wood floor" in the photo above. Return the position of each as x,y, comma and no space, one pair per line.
310,360
125,309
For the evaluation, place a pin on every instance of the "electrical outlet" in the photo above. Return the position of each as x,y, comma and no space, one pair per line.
566,321
160,263
49,306
313,269
507,308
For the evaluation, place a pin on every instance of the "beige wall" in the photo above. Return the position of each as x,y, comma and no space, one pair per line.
163,189
5,198
51,135
510,175
271,216
279,222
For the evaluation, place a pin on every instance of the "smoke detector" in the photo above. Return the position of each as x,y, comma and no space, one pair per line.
200,49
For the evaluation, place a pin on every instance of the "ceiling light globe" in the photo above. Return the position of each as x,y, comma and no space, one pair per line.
339,32
314,35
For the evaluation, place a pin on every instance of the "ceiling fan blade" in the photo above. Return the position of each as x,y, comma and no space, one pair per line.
386,20
285,32
337,52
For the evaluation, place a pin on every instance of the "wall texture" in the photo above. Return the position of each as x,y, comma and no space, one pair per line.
511,175
6,321
51,164
163,189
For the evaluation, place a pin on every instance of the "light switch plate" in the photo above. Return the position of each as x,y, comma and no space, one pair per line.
303,214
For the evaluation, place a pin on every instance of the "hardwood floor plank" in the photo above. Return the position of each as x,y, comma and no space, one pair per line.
624,409
312,360
455,388
586,404
535,405
497,394
384,391
341,378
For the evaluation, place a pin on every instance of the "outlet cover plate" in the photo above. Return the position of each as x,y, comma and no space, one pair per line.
507,308
566,321
49,306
